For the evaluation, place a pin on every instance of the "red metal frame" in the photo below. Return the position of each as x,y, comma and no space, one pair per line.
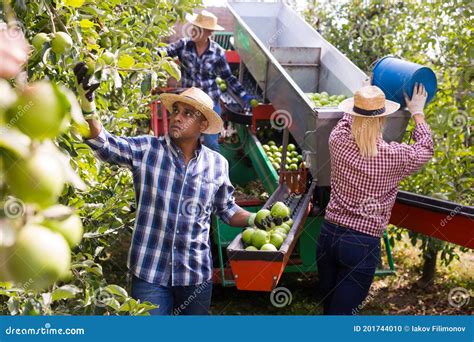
232,56
159,123
257,275
451,227
261,112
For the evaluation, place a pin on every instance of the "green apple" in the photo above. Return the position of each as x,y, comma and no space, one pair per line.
108,57
39,257
260,238
37,179
268,247
254,103
286,227
70,228
61,43
280,210
247,235
39,40
38,112
261,218
276,240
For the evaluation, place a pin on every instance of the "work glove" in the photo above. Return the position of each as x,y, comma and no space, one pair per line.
418,99
85,90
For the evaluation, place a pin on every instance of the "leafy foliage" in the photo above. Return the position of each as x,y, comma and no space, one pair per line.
120,39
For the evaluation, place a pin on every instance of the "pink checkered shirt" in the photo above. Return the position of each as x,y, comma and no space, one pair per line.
363,190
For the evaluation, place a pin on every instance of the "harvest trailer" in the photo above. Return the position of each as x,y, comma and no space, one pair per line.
279,59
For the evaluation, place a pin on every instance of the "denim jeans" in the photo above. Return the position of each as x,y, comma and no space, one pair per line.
174,300
347,260
211,140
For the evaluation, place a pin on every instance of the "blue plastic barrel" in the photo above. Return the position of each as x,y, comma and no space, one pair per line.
395,76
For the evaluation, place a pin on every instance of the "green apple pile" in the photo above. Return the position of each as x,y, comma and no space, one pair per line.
323,99
271,229
274,155
221,84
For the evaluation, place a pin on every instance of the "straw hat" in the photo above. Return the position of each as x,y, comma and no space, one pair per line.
369,101
201,102
205,19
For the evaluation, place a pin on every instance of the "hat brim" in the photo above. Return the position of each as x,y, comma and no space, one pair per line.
347,106
216,125
192,20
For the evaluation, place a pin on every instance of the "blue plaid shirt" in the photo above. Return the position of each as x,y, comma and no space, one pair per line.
201,71
174,205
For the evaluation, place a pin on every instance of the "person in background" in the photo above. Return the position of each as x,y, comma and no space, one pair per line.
202,61
178,185
365,174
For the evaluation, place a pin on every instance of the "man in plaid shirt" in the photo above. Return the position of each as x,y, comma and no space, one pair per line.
365,174
202,61
178,183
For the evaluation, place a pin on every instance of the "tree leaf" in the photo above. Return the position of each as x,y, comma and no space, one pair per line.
86,23
117,290
74,3
57,212
126,61
172,69
65,292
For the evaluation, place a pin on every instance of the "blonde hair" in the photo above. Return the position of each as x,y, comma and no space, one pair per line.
366,132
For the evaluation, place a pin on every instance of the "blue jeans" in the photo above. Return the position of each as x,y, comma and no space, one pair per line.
347,260
174,300
211,140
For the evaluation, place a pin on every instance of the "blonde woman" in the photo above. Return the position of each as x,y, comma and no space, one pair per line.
365,174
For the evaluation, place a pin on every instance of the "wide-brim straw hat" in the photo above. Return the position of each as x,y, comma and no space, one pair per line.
205,20
200,101
369,101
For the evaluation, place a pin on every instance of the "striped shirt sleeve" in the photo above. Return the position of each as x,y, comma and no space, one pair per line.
123,151
224,201
420,152
174,49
